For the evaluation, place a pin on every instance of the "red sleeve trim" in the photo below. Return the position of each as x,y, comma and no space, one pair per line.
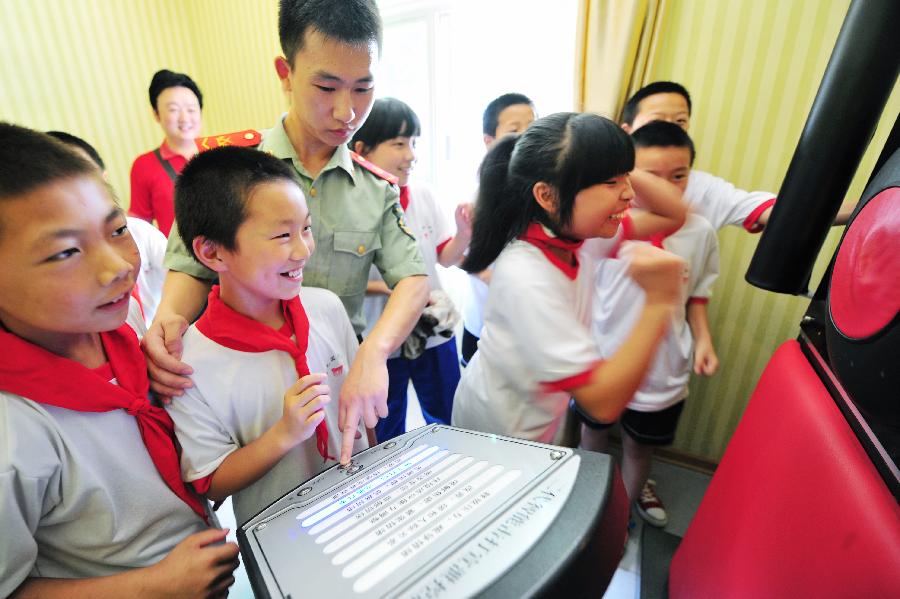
571,382
698,300
201,485
750,222
440,247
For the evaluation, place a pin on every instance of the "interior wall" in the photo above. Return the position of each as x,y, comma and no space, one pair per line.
236,43
753,68
83,66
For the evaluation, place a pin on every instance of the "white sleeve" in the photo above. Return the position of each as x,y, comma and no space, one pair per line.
707,264
443,230
26,493
721,203
205,441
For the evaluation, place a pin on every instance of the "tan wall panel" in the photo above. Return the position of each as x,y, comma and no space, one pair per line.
236,42
83,66
753,68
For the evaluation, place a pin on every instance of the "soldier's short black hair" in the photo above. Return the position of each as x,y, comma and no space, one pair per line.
32,159
490,118
388,119
352,22
77,142
164,79
630,110
662,134
212,191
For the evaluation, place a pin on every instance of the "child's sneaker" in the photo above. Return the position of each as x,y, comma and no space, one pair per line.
650,507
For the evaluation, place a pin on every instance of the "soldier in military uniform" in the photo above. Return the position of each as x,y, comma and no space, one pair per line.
356,218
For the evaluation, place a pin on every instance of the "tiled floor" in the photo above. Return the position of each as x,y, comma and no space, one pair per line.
681,490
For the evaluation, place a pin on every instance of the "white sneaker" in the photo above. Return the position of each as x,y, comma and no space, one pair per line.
650,507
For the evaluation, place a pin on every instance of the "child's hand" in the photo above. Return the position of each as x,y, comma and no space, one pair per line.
303,403
463,215
199,566
162,346
659,273
706,362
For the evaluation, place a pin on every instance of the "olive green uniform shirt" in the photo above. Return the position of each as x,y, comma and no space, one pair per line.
356,221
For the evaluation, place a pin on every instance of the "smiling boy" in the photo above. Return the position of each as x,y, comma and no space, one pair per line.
264,363
91,499
328,70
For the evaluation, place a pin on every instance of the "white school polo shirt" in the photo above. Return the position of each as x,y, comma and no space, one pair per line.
536,342
618,302
237,396
79,494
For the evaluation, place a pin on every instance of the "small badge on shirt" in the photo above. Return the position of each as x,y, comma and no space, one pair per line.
401,220
335,365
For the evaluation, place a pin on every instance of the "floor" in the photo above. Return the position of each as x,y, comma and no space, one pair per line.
681,490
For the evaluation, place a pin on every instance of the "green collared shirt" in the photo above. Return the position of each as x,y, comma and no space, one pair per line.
357,221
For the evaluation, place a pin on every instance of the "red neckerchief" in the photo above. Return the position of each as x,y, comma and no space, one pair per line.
404,197
537,236
235,331
39,375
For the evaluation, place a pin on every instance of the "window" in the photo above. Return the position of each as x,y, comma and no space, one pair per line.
447,60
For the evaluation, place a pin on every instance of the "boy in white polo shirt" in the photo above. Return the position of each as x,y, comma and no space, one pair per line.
714,198
265,365
651,418
90,492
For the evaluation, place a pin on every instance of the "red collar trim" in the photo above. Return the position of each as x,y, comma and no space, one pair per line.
540,237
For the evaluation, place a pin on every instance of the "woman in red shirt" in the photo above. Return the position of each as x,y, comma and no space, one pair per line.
177,104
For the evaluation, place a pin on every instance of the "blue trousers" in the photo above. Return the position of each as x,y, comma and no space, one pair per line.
434,375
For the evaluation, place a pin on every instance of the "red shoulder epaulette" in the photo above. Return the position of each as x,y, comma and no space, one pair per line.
243,139
374,169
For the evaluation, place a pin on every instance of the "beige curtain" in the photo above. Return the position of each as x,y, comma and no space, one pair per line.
617,40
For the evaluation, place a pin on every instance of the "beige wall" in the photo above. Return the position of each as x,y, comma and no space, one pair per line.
753,68
83,66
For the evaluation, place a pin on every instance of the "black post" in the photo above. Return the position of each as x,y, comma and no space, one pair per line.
854,90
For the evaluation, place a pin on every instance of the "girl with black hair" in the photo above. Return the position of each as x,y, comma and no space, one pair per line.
428,358
566,179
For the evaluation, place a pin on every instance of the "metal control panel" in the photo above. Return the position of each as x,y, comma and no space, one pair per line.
436,512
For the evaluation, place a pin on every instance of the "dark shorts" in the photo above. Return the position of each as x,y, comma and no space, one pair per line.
648,428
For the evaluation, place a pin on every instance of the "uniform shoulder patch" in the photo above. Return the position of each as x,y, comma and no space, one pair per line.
374,169
247,138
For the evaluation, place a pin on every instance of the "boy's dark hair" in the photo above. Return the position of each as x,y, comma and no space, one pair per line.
630,110
489,120
662,134
165,79
211,192
351,22
389,118
73,140
32,159
569,151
